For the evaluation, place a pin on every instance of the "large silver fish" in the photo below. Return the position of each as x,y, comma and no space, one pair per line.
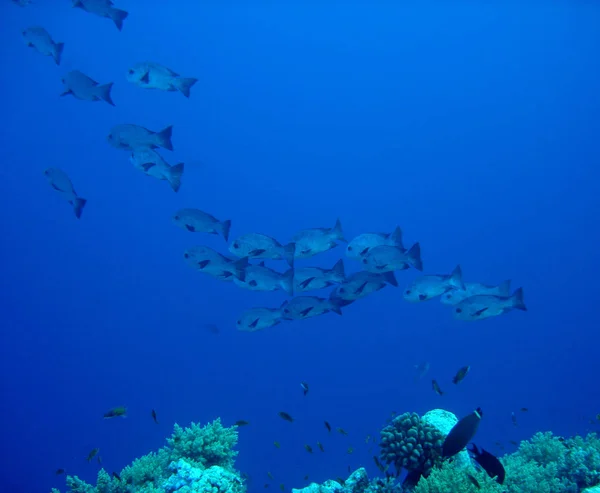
103,8
484,306
256,245
214,264
130,137
388,258
426,287
39,39
152,75
361,284
310,242
82,87
302,307
259,319
153,164
361,245
197,221
311,278
455,296
59,180
261,278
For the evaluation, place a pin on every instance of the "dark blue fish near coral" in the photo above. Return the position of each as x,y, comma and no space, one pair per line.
461,434
489,463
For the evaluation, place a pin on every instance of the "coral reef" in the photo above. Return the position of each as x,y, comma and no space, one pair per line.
357,482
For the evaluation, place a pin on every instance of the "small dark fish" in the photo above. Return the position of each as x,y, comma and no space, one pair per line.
349,470
513,418
342,431
412,478
285,416
116,476
92,454
270,475
115,412
304,386
378,463
328,426
241,422
341,480
524,409
436,388
59,472
461,374
516,444
277,444
306,478
489,463
499,445
282,487
368,438
212,328
266,485
350,450
461,433
154,416
474,481
308,449
99,460
320,445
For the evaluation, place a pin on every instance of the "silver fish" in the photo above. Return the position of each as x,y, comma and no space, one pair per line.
256,245
214,264
309,242
197,221
311,278
388,258
103,8
153,164
302,307
152,75
426,287
39,39
59,180
484,306
261,278
361,284
455,296
82,87
258,319
130,137
361,245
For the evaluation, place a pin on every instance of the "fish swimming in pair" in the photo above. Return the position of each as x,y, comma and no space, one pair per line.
388,258
311,278
362,244
197,221
215,264
82,87
488,462
150,75
130,137
461,434
436,387
256,245
310,242
302,307
153,164
261,278
485,306
258,319
60,181
103,8
455,296
359,285
39,39
427,287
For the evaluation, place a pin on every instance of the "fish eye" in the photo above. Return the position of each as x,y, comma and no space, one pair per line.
236,244
342,290
448,296
130,71
253,283
422,297
349,248
364,260
408,291
459,310
176,218
239,322
186,255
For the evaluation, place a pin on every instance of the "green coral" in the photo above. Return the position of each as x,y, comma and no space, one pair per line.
447,478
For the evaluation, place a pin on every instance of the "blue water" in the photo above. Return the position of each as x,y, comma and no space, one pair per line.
474,128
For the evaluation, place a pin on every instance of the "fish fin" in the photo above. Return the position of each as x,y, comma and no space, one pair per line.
257,252
190,228
262,263
103,92
174,176
517,300
335,305
57,55
338,270
118,16
396,237
481,311
287,282
337,231
145,78
456,278
504,288
390,278
146,166
289,251
361,288
306,311
66,93
304,284
254,324
78,4
240,268
185,84
225,227
203,263
364,251
414,256
164,137
78,206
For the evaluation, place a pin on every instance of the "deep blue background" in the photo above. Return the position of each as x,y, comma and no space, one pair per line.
473,128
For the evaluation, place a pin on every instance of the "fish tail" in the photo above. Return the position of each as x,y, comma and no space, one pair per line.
164,137
184,84
456,278
337,231
287,282
57,55
336,305
78,205
517,300
225,227
118,16
414,256
396,237
239,268
504,288
174,176
289,251
103,92
338,272
390,278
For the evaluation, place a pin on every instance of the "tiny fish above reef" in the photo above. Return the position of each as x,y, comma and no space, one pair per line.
150,75
39,39
461,434
455,296
427,287
154,416
461,374
320,445
59,180
241,422
359,285
310,242
102,8
302,307
489,463
304,386
152,164
341,431
328,426
261,278
308,449
285,416
436,387
92,454
83,87
311,278
388,258
277,445
362,244
129,137
256,319
116,412
197,221
59,472
256,245
116,476
215,264
486,306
